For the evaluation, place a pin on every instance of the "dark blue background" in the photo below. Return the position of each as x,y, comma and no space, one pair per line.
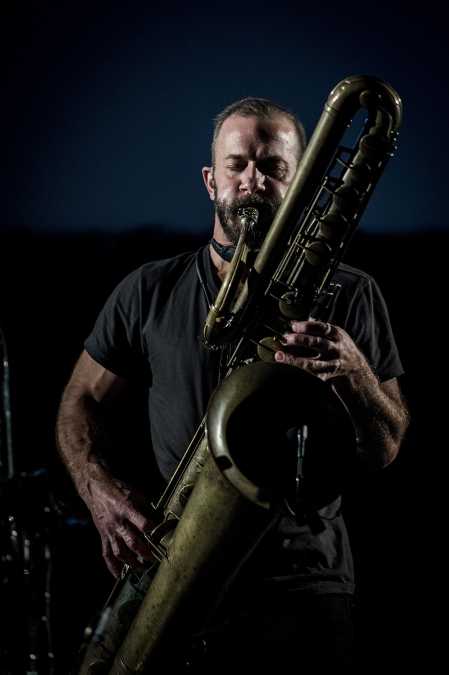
109,106
107,116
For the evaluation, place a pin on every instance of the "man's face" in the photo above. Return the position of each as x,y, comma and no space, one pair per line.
255,161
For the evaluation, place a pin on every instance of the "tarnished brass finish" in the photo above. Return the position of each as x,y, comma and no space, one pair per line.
318,215
204,555
237,470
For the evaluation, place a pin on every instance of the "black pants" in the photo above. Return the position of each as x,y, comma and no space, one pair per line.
301,634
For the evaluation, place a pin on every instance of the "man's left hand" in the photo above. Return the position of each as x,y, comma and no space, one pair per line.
322,349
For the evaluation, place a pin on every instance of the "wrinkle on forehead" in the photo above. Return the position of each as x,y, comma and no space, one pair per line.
256,136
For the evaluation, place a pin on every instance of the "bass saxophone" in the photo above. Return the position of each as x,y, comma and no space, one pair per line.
228,491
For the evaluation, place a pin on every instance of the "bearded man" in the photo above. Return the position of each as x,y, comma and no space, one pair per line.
296,604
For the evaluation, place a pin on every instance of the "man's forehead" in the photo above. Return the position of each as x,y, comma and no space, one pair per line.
277,133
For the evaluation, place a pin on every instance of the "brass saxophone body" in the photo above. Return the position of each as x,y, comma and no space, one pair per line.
229,488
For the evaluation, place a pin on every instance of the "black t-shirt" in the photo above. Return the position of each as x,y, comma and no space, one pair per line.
150,329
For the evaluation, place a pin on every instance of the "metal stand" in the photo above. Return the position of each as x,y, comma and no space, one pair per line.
27,526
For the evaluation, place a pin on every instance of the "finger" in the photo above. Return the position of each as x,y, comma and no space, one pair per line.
313,327
314,366
138,519
319,346
112,563
310,341
114,566
124,555
134,541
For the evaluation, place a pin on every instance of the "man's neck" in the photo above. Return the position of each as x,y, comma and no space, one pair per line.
221,266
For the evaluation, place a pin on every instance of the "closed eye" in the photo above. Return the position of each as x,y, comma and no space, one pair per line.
275,167
236,166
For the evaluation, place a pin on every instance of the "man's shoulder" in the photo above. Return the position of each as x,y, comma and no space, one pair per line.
163,270
352,278
163,266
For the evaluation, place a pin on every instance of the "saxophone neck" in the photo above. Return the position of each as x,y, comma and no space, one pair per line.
220,318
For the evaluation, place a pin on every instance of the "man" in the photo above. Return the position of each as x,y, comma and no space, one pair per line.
149,329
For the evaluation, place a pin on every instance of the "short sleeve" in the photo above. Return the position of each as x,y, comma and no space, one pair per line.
369,325
115,341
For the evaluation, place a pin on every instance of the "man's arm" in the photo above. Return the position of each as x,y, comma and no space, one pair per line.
377,409
117,511
379,413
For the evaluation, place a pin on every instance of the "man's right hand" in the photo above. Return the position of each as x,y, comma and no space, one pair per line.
118,513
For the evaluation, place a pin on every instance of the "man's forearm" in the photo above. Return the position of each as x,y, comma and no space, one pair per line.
80,434
379,414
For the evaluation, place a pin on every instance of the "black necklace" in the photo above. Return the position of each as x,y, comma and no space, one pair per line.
225,252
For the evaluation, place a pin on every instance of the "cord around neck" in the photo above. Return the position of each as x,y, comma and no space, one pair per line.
225,252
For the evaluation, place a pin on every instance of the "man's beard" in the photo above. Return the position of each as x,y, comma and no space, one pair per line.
229,219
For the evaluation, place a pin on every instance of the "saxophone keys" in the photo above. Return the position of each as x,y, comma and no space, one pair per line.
267,347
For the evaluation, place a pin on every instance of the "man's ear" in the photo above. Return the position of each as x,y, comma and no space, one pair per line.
209,182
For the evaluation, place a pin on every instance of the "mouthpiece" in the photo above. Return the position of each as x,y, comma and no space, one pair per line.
248,216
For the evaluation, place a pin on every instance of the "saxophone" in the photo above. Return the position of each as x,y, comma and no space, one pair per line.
222,496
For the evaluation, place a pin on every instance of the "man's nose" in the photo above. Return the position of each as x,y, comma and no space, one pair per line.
253,180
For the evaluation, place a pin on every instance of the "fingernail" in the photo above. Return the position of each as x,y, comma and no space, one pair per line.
279,356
